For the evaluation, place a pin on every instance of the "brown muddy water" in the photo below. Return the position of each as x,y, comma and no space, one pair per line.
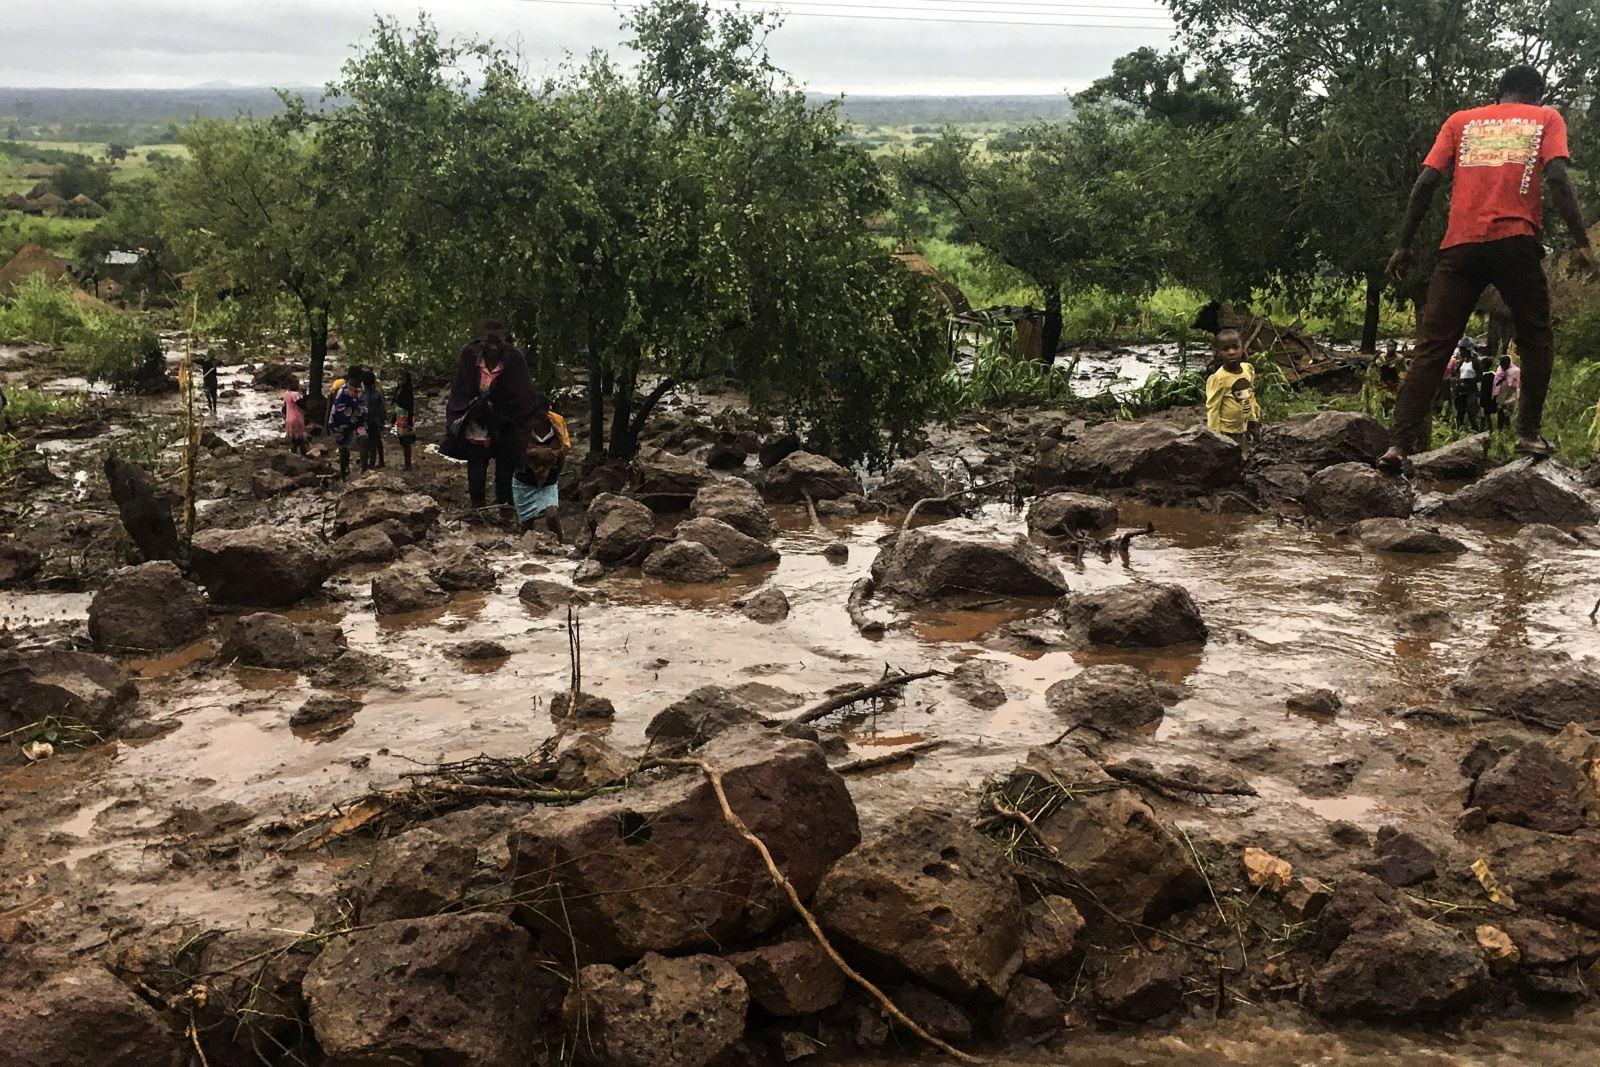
87,838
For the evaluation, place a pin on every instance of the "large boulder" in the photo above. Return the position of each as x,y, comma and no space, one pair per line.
1350,492
1459,460
1551,785
733,548
75,686
929,896
688,562
259,566
1136,615
1405,536
1111,699
663,481
616,528
78,1017
451,989
1128,453
1121,858
461,569
369,544
405,588
1068,514
1386,963
737,503
765,606
415,874
1545,682
657,869
658,1013
802,474
379,498
1554,873
1326,438
964,556
912,480
150,608
268,640
1526,491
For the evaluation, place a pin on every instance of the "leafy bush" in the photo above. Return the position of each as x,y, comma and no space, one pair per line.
30,407
39,311
119,351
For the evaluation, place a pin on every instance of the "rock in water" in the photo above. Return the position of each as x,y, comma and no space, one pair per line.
1141,614
912,480
1524,492
541,594
765,606
1109,839
737,503
404,588
1546,682
964,557
658,1013
1349,492
150,607
1127,453
689,562
657,869
932,897
461,570
259,566
1457,461
375,499
1065,514
617,528
1111,699
451,989
1405,536
733,548
268,640
1386,963
82,1016
1326,438
146,511
665,482
72,686
697,718
802,474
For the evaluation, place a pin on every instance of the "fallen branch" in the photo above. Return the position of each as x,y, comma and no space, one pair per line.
783,883
855,694
888,759
1596,612
950,498
816,523
860,593
1154,779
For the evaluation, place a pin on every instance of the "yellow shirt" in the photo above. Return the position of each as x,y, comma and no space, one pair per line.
1227,411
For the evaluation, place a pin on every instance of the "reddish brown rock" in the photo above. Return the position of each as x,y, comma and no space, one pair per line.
658,1013
792,977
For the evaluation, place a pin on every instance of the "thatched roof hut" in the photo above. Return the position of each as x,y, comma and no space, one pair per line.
49,204
31,259
83,207
40,170
912,260
40,189
16,202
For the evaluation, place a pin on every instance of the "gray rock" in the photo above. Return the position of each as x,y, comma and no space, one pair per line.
737,503
404,588
1406,536
765,606
1526,491
259,566
1350,492
687,562
802,474
148,608
415,874
1457,461
1138,614
72,686
1112,699
616,528
1064,514
964,557
1325,438
733,548
1116,453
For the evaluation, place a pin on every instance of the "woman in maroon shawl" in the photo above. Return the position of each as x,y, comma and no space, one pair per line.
492,402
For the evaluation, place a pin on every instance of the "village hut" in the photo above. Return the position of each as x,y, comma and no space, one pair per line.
31,259
954,299
83,207
16,202
49,204
40,190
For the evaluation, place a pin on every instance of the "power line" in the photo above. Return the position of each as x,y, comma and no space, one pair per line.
779,7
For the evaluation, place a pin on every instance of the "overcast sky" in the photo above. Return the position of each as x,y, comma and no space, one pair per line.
180,43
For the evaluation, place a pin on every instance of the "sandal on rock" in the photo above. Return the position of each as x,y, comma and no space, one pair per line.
1535,449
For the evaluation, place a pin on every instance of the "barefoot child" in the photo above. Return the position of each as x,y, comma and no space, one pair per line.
294,418
533,488
1231,407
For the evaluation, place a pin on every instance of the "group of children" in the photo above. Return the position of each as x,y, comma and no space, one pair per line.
357,413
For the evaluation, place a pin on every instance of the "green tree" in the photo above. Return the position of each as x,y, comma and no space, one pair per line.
134,224
254,209
82,177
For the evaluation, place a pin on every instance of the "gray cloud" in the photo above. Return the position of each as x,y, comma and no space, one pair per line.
175,43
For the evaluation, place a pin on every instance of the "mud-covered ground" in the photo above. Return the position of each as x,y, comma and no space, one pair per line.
179,821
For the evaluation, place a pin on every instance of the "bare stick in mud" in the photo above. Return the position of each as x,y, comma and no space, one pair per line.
783,883
905,524
1156,780
889,759
1594,614
191,427
860,593
816,523
885,687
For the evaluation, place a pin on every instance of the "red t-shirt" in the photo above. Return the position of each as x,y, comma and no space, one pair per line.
1498,154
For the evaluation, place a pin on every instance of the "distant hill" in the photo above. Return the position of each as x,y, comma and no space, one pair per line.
143,115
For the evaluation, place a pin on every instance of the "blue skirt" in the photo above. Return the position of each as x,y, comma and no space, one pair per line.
532,501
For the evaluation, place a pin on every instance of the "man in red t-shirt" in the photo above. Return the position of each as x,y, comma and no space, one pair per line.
1496,157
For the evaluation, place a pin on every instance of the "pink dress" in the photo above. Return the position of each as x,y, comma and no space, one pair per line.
294,420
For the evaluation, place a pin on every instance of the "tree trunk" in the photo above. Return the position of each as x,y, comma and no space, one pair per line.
1051,342
597,409
623,441
646,406
317,324
1369,327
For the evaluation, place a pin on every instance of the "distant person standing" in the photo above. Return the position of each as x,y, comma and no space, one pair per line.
344,417
1507,387
489,412
1466,388
376,422
1496,156
405,426
1231,407
1485,391
208,380
294,419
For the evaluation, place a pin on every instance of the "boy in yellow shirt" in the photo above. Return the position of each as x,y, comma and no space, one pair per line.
1231,407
